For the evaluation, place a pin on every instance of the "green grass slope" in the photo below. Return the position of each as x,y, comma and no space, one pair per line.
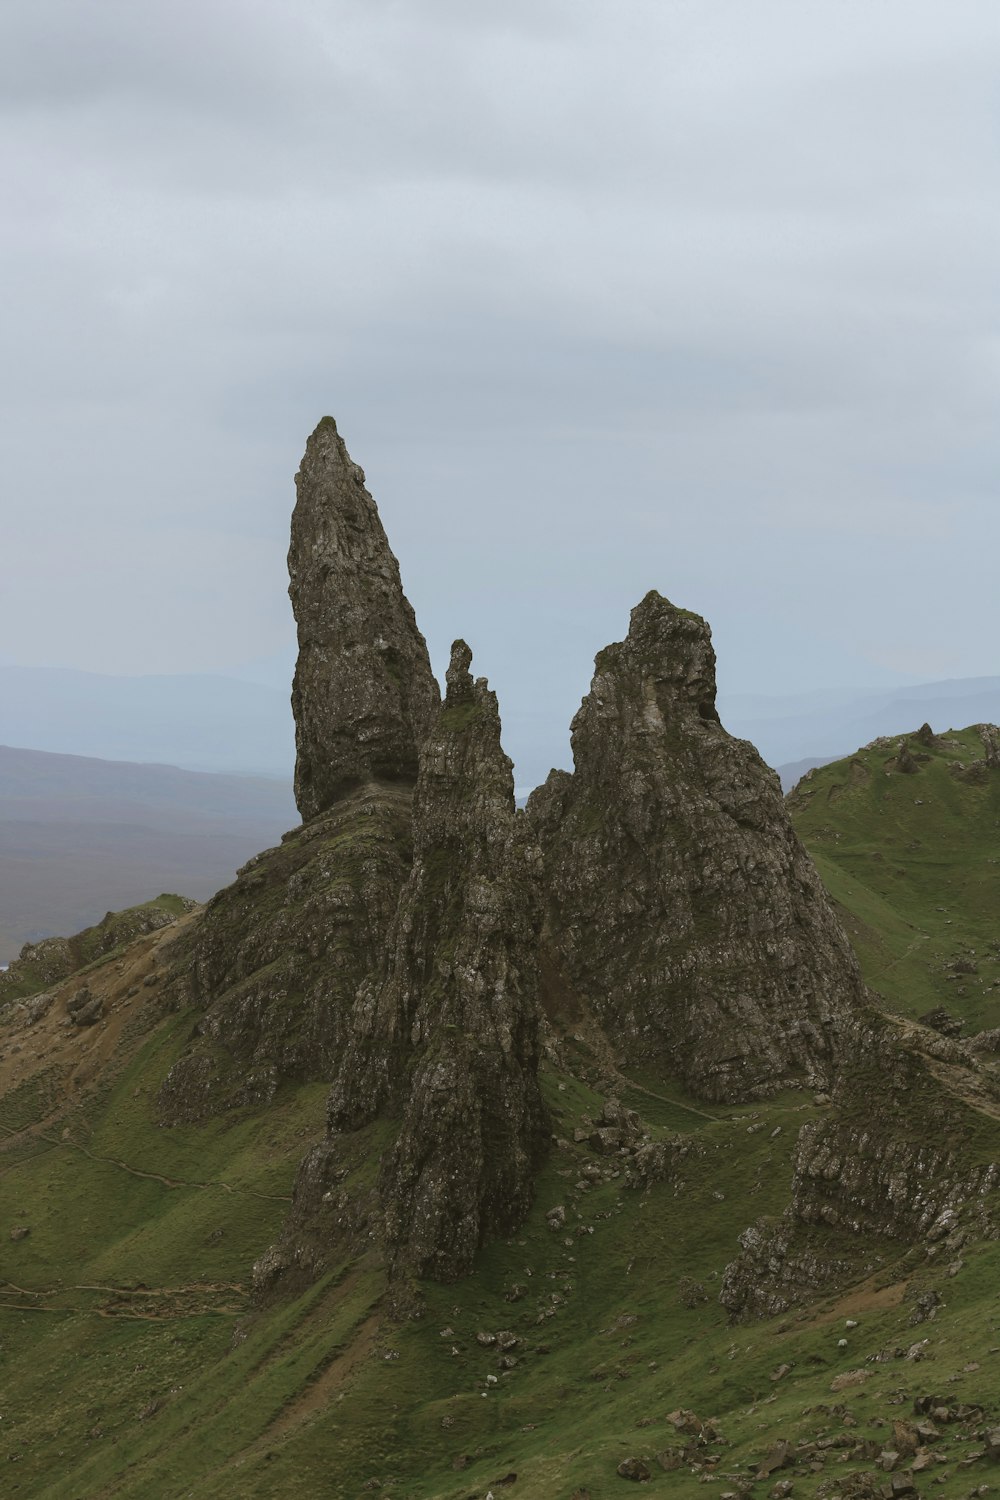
913,862
136,1365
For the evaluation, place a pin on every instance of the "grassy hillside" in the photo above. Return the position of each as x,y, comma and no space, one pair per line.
137,1365
913,861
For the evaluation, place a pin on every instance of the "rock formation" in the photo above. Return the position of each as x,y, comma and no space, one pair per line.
394,944
979,771
444,1037
680,904
990,736
276,958
890,1164
364,694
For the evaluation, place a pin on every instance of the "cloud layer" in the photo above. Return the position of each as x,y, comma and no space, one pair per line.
700,296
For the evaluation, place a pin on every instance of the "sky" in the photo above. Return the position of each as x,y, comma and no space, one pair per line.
605,295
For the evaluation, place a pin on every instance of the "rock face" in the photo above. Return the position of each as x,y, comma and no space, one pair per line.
439,1071
889,1164
364,694
680,904
990,736
274,963
446,1035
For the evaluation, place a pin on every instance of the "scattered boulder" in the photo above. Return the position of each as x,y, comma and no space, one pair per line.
88,1013
634,1468
781,1455
78,1000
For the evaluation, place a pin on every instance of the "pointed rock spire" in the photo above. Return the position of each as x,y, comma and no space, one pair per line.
446,1038
364,694
681,905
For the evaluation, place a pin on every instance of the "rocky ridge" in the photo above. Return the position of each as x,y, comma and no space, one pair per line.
48,962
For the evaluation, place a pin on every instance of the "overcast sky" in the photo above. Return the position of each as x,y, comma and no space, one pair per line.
605,295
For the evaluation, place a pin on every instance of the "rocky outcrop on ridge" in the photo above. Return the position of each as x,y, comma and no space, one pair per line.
990,736
978,771
364,695
445,1036
40,965
680,904
274,962
890,1166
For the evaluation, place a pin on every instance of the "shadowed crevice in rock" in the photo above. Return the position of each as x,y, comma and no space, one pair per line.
364,694
680,903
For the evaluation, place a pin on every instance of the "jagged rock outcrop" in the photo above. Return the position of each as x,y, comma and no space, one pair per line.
41,965
444,1037
978,771
274,962
905,762
892,1164
364,695
990,736
680,904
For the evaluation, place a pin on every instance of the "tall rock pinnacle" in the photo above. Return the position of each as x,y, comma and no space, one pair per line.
363,695
446,1037
681,905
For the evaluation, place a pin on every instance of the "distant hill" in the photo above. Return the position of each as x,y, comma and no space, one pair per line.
81,836
201,723
816,726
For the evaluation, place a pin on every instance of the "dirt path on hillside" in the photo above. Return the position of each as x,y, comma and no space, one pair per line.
169,1182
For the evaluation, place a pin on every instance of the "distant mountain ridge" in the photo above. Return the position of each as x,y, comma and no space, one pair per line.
80,836
200,723
222,723
818,727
